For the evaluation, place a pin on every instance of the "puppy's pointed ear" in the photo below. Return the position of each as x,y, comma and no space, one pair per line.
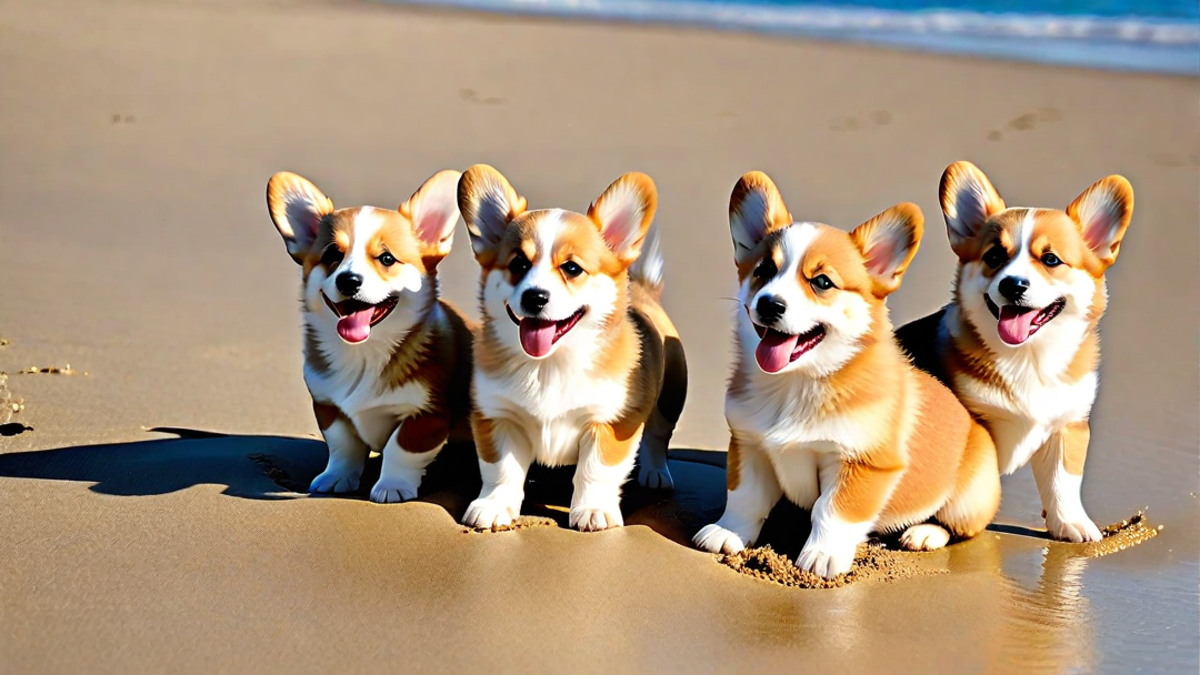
1103,212
296,207
755,210
488,204
433,211
888,242
623,213
968,200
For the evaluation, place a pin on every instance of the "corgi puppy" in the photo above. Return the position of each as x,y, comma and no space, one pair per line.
824,408
388,364
576,361
1018,343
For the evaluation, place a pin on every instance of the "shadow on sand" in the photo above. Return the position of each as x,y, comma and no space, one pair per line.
280,468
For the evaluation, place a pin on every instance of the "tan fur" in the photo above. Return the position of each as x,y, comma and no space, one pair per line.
622,383
433,352
951,344
914,450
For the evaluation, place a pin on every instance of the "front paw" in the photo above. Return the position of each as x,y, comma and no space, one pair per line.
1077,530
655,478
716,539
825,562
393,490
486,514
335,481
595,518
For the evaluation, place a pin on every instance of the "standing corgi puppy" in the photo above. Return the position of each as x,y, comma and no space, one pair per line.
1018,343
387,363
576,361
824,408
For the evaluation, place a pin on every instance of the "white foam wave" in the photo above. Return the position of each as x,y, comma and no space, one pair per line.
1079,40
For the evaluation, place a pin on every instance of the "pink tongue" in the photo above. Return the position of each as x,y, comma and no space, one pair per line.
356,327
775,351
537,336
1016,324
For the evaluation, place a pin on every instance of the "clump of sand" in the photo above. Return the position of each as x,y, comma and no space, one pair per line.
873,562
518,523
1122,535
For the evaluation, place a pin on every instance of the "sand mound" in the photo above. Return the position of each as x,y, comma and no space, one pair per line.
1120,536
873,562
520,523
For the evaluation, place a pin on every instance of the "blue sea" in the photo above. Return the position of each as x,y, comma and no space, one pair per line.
1143,35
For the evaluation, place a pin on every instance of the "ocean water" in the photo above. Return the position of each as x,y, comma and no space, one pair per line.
1143,35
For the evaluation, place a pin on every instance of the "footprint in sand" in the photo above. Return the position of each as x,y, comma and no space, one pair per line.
1167,159
878,118
1029,120
470,96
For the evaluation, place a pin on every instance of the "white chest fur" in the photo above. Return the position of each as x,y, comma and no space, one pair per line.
552,401
1034,407
353,383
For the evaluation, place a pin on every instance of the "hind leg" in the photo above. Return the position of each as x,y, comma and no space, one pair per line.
652,453
976,495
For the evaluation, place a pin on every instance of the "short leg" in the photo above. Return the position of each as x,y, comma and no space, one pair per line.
504,457
852,496
1058,469
752,491
976,496
606,455
412,447
347,452
924,537
652,453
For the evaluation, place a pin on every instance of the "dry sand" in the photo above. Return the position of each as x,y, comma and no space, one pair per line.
149,518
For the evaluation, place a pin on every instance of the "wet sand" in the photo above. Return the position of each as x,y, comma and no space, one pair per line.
150,516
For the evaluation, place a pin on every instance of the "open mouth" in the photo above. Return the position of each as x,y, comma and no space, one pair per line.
776,350
355,317
1017,324
538,336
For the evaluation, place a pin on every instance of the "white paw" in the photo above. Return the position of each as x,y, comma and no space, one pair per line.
1077,530
716,539
655,478
594,519
393,490
488,513
335,480
825,563
925,537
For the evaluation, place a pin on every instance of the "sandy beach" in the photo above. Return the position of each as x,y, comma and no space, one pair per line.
151,519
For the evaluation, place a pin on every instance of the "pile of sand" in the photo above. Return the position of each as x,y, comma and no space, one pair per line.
519,523
872,563
1120,536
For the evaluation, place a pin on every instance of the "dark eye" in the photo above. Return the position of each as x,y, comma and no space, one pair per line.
822,283
332,256
765,270
571,269
518,266
995,257
387,259
1051,260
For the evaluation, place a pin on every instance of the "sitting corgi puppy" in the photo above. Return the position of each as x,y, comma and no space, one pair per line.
824,408
387,363
1018,344
576,361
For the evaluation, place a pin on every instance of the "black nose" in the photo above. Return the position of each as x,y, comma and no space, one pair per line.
770,308
1012,288
349,283
534,299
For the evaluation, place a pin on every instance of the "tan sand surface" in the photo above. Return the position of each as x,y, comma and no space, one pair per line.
146,518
